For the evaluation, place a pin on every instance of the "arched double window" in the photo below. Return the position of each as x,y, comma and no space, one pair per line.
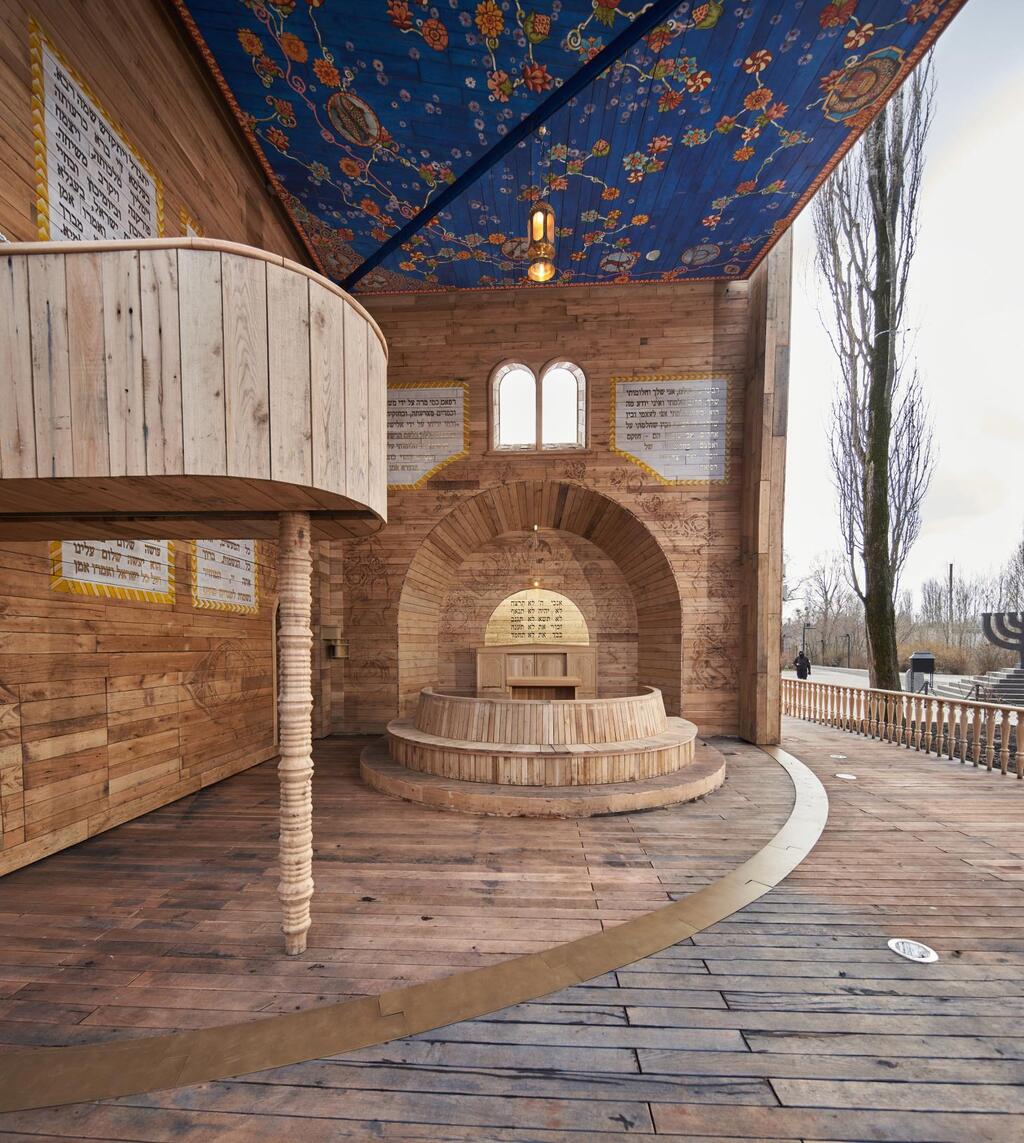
528,414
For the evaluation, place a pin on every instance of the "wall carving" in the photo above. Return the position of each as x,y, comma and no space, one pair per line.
214,684
712,665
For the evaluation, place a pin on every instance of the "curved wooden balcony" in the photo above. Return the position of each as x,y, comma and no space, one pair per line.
184,387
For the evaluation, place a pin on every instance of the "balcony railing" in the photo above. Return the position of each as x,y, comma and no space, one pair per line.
982,733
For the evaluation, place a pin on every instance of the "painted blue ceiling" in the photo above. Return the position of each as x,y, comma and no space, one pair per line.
683,160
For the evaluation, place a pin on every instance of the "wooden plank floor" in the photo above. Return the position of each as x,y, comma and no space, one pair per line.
789,1021
172,921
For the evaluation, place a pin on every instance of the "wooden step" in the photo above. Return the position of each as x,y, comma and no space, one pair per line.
380,771
542,764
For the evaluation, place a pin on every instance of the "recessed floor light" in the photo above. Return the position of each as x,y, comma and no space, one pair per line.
846,777
913,950
838,757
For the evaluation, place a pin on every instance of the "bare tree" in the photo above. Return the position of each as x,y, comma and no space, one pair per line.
934,604
1010,591
789,585
827,598
955,617
866,223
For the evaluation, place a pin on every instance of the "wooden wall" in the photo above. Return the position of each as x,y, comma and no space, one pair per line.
766,406
109,707
398,581
137,63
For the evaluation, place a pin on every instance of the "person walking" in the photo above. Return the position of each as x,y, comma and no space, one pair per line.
803,666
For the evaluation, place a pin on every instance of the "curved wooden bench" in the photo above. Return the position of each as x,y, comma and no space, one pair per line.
544,764
548,721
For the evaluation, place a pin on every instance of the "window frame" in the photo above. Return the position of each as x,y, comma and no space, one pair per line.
498,374
582,408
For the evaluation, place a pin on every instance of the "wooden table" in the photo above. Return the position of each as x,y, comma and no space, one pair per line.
543,686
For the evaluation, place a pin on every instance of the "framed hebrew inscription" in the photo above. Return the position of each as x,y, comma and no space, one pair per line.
428,428
674,426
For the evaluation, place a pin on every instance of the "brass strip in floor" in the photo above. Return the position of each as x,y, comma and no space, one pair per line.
47,1077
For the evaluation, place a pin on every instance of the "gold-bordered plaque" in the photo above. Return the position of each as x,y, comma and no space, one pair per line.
225,575
45,57
189,227
675,426
438,422
536,615
115,569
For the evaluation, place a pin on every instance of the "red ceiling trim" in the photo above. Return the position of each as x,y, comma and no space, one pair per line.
924,44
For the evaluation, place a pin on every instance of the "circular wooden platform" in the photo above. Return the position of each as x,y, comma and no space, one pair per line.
705,773
538,763
487,718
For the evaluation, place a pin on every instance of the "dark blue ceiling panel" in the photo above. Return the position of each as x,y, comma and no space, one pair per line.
683,160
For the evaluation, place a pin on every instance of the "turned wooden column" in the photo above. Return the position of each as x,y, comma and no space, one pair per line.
295,725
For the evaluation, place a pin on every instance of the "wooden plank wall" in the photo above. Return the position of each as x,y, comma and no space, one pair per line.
109,708
610,330
322,614
137,63
764,482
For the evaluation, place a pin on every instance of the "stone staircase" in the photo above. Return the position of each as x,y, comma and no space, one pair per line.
1005,687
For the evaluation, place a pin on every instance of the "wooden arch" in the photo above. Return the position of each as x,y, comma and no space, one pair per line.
517,507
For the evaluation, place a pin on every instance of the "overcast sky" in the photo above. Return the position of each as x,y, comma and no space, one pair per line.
967,308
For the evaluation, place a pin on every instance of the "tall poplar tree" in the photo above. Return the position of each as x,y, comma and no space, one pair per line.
866,226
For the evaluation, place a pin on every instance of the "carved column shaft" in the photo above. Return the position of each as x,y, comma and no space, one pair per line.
295,724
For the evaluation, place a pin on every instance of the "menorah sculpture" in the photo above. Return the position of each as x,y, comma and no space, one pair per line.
1005,629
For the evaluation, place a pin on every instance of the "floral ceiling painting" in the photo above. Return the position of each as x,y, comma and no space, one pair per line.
684,158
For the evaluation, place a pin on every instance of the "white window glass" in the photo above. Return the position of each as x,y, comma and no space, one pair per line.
516,419
562,403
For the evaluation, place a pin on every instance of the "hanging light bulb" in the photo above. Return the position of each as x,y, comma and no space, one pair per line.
541,236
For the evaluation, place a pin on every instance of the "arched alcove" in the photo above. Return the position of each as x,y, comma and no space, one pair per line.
517,507
559,560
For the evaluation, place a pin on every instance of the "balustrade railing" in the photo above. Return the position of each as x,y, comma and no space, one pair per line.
982,733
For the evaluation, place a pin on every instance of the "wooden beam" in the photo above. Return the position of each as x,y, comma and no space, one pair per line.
295,721
763,493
